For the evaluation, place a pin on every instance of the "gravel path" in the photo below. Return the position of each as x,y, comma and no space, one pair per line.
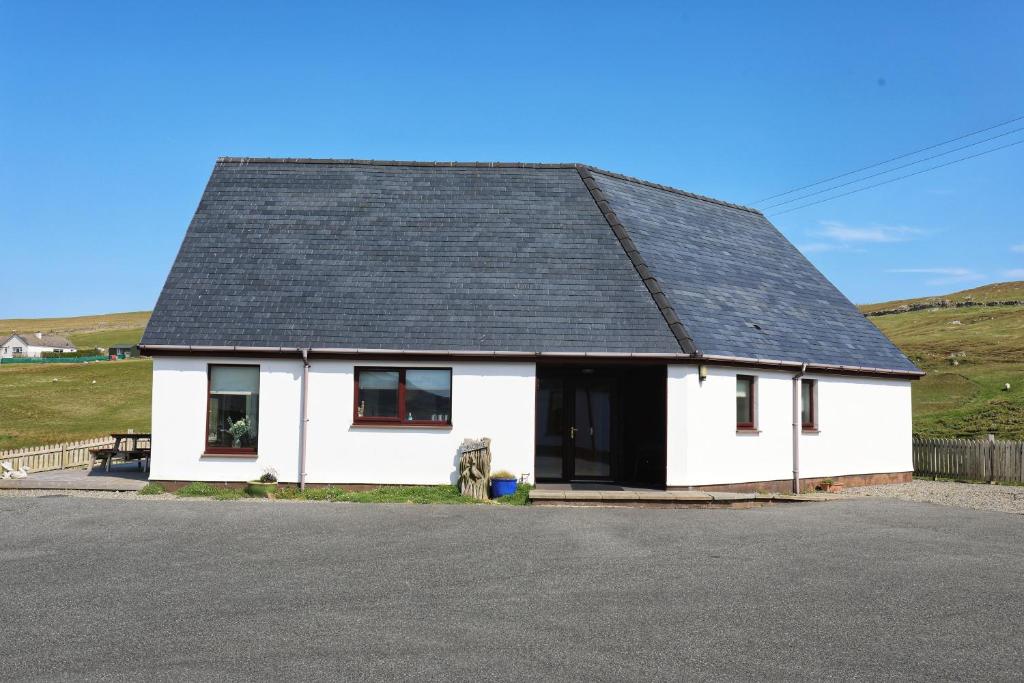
955,494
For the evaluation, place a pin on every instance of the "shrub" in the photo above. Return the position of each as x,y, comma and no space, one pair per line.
520,497
197,489
269,477
503,474
151,489
80,353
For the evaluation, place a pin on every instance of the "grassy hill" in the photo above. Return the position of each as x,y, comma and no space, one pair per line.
53,403
969,354
85,331
1000,291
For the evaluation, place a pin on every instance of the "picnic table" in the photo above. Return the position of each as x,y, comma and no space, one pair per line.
131,451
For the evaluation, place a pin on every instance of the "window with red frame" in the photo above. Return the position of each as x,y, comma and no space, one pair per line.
745,405
232,409
808,404
403,396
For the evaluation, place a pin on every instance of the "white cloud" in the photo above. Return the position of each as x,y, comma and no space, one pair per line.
1014,273
944,276
815,247
1017,247
840,232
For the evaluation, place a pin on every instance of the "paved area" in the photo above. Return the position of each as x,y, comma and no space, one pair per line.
128,589
121,477
974,496
621,496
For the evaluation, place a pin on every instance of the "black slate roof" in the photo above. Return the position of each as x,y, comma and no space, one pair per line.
740,288
495,257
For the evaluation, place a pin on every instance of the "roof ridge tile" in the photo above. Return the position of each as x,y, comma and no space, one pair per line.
632,252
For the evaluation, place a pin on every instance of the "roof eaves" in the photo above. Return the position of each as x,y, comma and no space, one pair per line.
676,326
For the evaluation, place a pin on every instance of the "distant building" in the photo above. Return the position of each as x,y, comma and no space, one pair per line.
19,345
124,350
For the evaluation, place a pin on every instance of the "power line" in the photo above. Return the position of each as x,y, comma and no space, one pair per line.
887,161
892,180
894,168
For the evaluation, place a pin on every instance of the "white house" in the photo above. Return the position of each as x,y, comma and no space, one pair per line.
34,345
351,322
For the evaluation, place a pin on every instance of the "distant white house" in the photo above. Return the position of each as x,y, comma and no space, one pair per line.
34,345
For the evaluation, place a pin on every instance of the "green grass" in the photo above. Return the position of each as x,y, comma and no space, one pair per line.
435,495
106,338
86,400
152,489
520,497
969,354
44,404
198,489
445,495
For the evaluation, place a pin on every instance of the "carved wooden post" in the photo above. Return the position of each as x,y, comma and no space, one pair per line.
474,467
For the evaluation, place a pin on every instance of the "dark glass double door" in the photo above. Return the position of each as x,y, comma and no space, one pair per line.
577,415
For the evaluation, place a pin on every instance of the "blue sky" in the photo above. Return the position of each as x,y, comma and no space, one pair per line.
111,117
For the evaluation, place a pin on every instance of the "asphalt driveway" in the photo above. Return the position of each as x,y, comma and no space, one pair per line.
175,590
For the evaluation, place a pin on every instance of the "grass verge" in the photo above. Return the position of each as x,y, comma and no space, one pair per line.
152,489
436,495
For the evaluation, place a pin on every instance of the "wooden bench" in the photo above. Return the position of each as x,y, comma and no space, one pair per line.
104,455
140,454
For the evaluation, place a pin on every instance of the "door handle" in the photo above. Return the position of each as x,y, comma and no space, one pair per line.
572,432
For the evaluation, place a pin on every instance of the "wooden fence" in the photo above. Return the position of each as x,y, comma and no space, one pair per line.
976,460
58,456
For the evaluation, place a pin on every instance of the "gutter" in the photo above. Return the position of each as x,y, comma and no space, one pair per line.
305,419
796,427
769,364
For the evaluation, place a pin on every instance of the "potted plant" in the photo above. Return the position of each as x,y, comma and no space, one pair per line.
264,486
503,483
829,486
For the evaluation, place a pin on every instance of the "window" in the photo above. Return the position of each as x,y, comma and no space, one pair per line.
808,407
411,396
18,349
745,406
232,422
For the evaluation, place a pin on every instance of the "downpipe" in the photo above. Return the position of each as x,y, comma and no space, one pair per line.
796,426
305,419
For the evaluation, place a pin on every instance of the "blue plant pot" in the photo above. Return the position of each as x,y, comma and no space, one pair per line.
502,487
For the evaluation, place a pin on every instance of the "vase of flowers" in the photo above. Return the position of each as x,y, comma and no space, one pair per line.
238,430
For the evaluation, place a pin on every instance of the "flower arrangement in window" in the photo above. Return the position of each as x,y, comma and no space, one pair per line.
238,430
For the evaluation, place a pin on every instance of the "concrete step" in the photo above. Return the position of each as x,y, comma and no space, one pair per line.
667,499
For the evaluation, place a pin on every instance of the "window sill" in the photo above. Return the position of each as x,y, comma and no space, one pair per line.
810,430
400,425
230,454
747,431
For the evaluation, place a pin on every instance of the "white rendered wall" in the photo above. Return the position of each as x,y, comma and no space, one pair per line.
179,421
495,400
864,428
